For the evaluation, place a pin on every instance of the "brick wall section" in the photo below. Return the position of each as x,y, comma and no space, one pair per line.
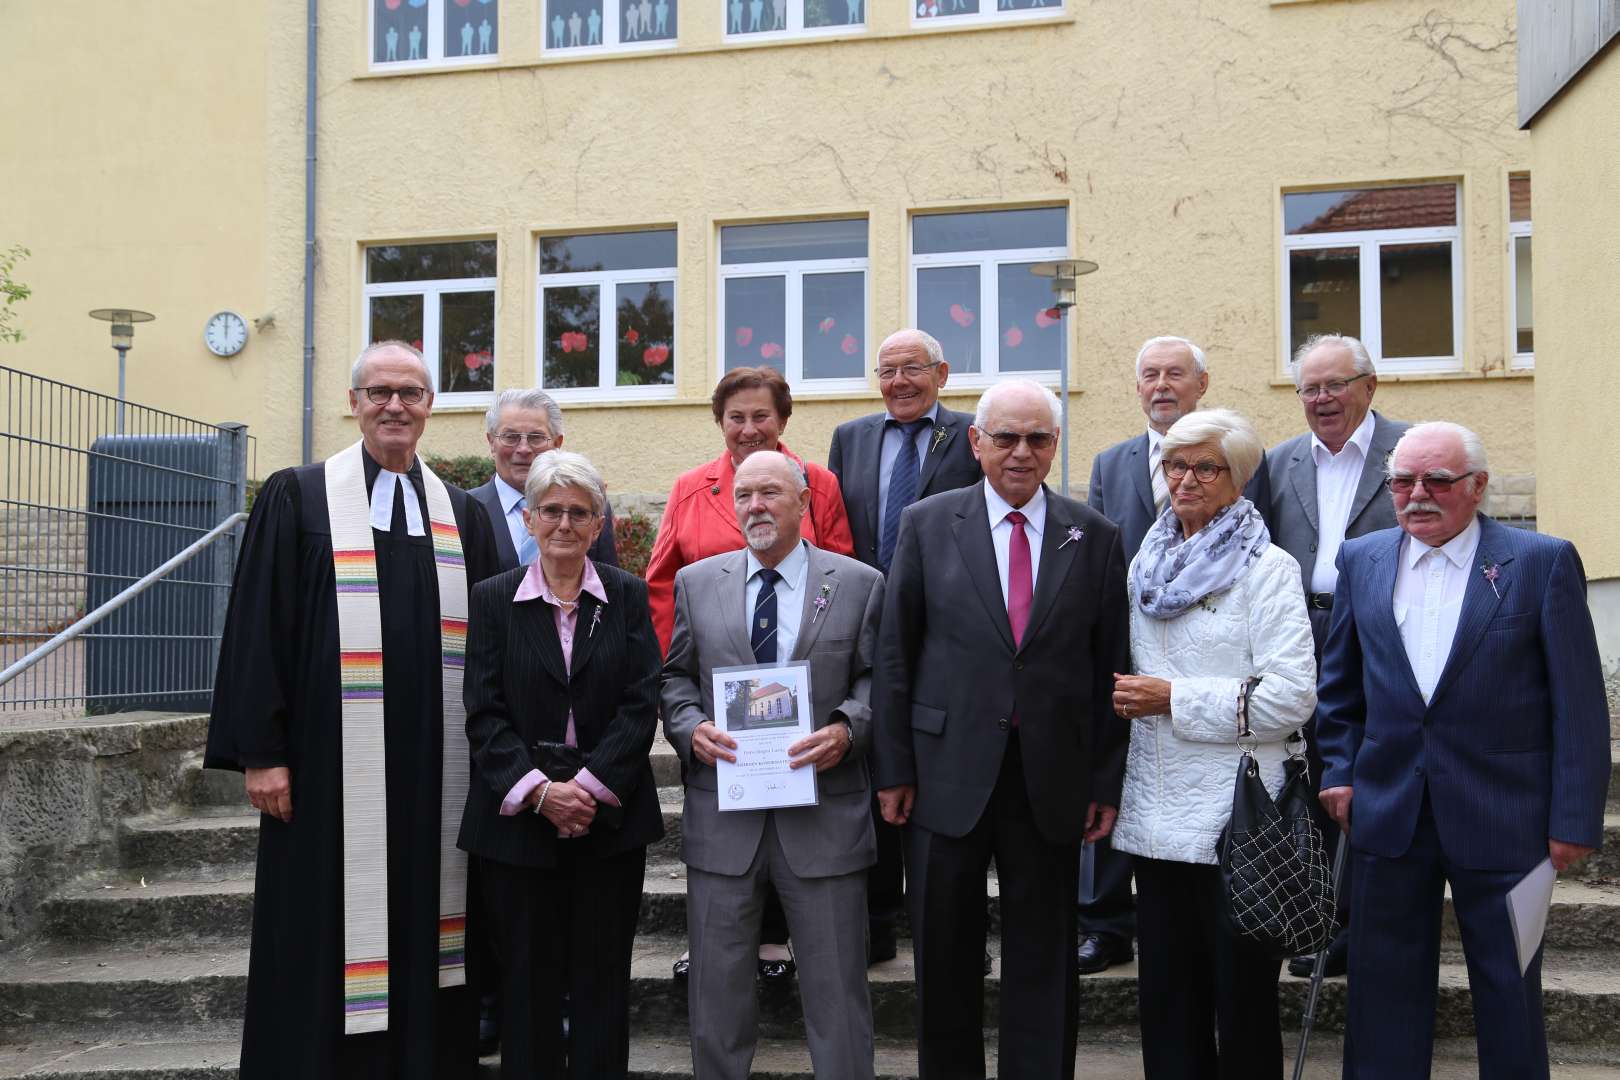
44,552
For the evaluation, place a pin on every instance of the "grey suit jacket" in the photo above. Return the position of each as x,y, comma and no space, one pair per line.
603,551
1292,517
840,642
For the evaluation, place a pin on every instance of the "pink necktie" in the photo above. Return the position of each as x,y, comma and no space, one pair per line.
1019,578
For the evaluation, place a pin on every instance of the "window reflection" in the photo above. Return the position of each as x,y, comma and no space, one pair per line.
572,336
1416,294
646,328
756,321
1031,330
834,326
948,308
1324,294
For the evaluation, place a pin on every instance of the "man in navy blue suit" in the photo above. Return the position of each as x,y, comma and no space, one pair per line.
1465,740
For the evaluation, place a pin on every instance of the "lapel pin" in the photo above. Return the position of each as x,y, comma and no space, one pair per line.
1075,533
1492,571
939,437
822,599
715,490
596,617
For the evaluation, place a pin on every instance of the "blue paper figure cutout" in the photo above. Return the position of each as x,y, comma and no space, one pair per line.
646,17
756,9
736,17
557,31
595,26
632,20
466,38
854,11
662,9
484,32
574,22
392,37
778,14
416,43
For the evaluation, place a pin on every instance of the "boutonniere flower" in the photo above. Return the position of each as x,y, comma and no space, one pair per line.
1492,571
1075,533
939,437
821,600
596,617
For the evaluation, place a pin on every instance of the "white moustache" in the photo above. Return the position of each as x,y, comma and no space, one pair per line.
1419,508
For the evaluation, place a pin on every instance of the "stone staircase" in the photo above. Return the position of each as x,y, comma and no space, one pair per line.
138,969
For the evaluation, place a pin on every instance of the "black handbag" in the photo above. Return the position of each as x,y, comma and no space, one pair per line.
560,762
1274,867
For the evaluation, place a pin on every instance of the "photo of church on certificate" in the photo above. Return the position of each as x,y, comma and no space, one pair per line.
766,709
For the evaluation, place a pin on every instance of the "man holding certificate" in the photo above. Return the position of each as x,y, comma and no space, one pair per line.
787,632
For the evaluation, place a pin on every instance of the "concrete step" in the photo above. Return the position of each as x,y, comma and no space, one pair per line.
1604,863
153,911
196,836
198,984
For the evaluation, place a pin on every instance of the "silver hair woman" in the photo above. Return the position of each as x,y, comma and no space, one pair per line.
1213,602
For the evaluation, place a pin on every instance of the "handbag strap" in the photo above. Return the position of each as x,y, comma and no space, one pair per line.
1246,740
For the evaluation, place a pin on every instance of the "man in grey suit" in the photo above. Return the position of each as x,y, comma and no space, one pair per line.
1326,488
777,600
519,427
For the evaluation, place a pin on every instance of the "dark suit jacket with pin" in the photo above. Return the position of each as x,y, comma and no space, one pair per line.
856,455
602,551
518,692
949,677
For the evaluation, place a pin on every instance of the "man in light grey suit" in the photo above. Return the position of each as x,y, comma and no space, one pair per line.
1327,486
777,600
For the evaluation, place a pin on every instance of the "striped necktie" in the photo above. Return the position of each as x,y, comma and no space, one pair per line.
902,489
762,629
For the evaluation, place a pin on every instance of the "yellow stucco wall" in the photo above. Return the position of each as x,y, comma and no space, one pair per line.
1168,133
1577,277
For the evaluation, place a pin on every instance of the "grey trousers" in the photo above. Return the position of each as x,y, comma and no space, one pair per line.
827,921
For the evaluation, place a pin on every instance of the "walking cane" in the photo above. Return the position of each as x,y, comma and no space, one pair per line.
1309,1017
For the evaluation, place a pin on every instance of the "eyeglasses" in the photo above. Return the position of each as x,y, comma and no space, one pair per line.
380,395
1205,472
1329,389
551,514
910,371
1433,483
1008,440
535,439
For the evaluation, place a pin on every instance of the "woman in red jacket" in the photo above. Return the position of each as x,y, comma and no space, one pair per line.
751,406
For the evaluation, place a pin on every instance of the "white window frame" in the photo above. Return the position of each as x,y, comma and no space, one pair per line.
1368,244
989,264
612,32
1520,361
435,54
795,24
792,365
997,14
607,360
431,291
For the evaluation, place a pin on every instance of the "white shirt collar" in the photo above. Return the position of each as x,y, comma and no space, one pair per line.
791,568
1361,438
382,503
1155,441
1459,550
932,415
509,495
1034,510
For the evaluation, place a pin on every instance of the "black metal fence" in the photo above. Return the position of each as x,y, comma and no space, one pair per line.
96,494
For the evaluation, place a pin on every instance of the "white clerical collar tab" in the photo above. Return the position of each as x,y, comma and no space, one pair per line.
382,504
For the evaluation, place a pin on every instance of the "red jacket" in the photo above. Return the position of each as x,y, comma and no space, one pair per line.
700,521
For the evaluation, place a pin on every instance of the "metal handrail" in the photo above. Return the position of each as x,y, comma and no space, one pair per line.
92,618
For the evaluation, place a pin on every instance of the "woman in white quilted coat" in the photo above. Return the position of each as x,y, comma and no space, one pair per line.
1213,602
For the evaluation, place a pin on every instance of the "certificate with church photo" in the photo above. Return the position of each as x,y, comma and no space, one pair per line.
766,709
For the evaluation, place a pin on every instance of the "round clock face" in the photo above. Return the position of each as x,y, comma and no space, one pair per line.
225,334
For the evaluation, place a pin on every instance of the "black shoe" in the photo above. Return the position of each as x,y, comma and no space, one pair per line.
1338,960
777,972
1099,952
489,1025
683,967
882,948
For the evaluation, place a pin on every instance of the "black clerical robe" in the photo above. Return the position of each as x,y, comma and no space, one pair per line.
276,702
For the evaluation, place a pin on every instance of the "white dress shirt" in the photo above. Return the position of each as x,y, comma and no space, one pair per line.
1337,477
1001,533
511,500
1429,587
789,598
889,449
1156,478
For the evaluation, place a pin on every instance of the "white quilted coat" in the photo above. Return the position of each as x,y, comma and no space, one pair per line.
1181,768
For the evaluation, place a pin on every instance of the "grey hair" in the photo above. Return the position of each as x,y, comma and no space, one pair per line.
564,468
532,398
1199,363
981,412
1240,444
911,335
376,347
1473,447
1359,357
793,466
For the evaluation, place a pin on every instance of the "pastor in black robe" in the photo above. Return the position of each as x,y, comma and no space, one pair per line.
276,702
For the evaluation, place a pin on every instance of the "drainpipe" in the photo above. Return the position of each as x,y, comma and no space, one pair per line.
309,241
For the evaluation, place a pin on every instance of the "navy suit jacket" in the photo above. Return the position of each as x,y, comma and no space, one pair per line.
1122,491
1513,747
603,551
855,458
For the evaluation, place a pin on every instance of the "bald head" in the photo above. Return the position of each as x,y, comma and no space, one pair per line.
911,372
771,497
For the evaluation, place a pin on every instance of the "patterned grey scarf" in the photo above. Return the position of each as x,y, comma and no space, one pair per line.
1173,574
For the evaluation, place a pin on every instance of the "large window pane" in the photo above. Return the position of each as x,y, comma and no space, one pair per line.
430,262
1324,294
470,27
396,318
1523,309
755,16
572,24
399,30
927,9
991,230
466,342
1424,206
793,241
948,308
572,336
834,326
819,13
645,249
1416,294
756,321
646,346
1031,331
644,20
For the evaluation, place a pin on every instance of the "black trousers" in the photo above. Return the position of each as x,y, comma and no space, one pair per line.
1040,1011
1207,999
1110,908
570,927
